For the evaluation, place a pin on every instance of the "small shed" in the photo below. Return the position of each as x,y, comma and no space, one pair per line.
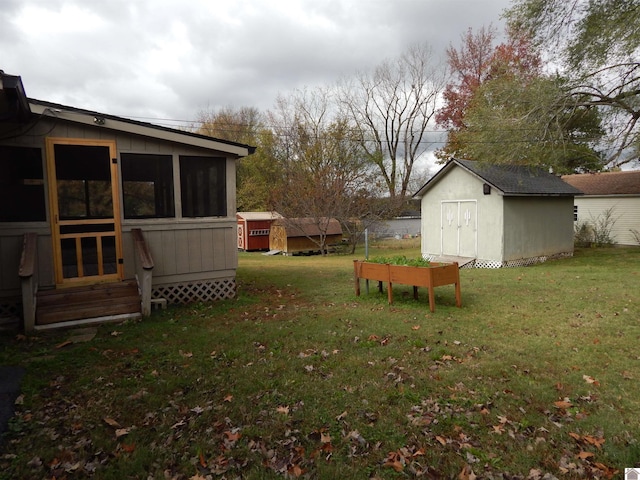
494,216
617,193
254,229
297,235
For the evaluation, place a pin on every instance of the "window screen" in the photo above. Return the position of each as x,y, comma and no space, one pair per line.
203,184
21,185
147,185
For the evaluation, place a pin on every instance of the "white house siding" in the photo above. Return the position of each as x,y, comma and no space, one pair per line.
626,212
537,227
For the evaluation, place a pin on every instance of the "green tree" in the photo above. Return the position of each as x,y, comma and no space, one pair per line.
477,61
256,174
597,46
509,122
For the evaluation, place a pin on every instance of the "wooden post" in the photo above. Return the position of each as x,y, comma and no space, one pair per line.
144,270
28,273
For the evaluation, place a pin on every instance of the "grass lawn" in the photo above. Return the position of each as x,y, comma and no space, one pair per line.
536,376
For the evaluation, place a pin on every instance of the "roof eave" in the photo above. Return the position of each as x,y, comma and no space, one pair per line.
97,119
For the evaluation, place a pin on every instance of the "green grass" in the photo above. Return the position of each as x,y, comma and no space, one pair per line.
536,373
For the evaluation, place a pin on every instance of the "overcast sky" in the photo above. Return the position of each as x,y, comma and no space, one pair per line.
155,60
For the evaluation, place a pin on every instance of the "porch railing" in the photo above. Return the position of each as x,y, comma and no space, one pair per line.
144,270
28,273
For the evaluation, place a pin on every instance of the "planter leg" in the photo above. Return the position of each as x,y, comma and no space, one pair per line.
415,292
432,300
458,295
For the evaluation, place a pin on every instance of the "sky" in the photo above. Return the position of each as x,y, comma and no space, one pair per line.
165,61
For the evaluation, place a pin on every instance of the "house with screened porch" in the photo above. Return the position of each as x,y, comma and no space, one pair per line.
102,217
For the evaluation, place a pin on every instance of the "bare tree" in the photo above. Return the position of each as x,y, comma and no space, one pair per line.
392,107
325,171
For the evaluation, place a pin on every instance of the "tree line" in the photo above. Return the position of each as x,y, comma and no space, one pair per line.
561,91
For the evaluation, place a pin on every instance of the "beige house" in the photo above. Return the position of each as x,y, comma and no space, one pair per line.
616,194
96,208
494,216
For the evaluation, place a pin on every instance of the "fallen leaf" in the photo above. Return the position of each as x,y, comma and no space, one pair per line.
295,470
563,404
595,441
64,344
608,471
584,455
128,447
589,379
440,439
228,398
284,409
394,460
121,432
466,473
415,327
111,422
232,436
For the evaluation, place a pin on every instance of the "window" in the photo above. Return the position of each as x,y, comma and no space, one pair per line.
21,185
204,186
147,185
575,213
259,233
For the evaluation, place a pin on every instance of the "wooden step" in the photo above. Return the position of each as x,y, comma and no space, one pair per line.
80,303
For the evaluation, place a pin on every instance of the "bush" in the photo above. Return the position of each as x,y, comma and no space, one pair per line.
597,232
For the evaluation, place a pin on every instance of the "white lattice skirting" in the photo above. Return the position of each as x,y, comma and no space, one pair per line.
521,262
202,291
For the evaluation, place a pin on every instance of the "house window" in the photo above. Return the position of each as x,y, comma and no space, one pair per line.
575,213
259,233
204,186
21,185
147,185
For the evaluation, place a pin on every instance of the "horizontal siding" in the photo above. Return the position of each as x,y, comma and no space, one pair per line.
180,252
625,210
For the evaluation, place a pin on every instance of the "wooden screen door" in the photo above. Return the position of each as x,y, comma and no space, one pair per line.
85,214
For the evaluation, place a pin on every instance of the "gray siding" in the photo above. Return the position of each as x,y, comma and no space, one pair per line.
538,226
182,249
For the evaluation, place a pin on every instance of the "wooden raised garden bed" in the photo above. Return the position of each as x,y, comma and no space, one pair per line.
434,275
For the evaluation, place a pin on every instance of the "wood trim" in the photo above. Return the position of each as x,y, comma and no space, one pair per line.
56,236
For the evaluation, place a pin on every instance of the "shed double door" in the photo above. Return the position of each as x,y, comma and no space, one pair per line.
85,214
458,228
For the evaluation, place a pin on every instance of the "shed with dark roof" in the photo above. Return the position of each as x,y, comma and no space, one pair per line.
609,195
487,215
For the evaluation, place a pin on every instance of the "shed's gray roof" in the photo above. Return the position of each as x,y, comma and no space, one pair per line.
511,180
